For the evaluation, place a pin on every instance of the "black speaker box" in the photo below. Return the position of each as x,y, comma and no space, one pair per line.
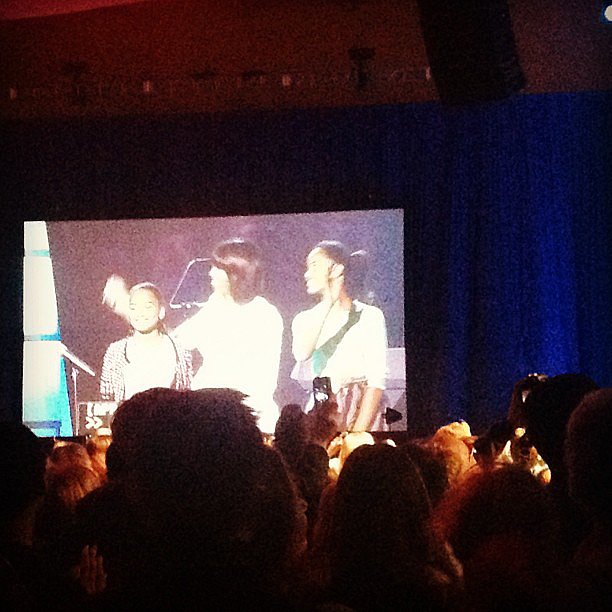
471,49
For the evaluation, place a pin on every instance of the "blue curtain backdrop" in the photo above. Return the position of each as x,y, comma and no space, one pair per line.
507,207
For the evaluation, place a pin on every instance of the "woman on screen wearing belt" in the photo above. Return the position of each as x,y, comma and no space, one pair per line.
342,337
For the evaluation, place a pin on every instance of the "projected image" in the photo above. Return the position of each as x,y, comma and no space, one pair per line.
264,305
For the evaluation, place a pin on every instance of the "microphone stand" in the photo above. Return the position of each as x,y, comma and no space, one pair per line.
76,365
185,285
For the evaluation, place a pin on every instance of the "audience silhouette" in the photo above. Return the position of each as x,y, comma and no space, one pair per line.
190,507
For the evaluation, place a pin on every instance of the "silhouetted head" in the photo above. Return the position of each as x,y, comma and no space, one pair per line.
22,468
508,500
432,466
503,527
380,517
587,452
68,454
69,485
203,482
547,410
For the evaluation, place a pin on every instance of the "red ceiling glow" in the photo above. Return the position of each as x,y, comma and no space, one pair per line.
23,9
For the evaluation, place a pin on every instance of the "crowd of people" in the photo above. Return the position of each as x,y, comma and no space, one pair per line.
187,505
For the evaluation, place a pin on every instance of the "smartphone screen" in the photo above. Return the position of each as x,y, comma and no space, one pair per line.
321,388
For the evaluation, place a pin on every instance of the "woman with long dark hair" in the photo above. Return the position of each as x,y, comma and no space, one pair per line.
341,337
380,551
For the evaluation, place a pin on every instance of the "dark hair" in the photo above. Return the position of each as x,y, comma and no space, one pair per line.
154,289
68,455
547,410
66,486
379,481
587,452
501,501
432,466
355,267
503,527
241,260
381,544
22,468
179,446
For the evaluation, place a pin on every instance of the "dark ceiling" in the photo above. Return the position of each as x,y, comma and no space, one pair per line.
216,55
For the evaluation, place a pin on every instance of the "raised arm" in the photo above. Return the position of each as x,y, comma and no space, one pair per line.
306,329
116,296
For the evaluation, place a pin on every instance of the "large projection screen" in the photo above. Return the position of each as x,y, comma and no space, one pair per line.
67,328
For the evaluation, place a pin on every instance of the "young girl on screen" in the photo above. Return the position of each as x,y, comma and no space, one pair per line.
341,337
148,357
237,331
